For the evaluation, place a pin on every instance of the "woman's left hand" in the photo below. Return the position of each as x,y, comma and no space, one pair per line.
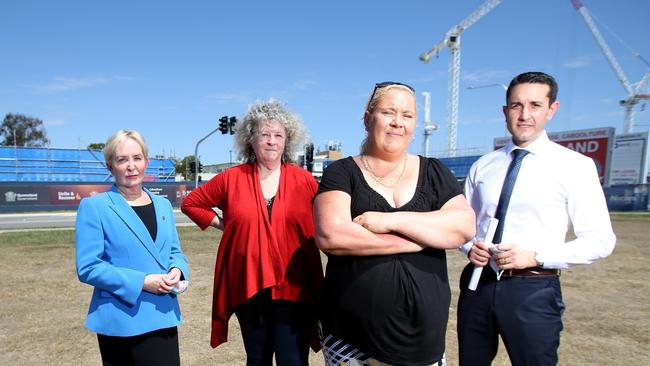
377,222
172,278
157,284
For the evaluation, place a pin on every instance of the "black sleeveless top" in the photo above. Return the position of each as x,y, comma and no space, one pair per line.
394,308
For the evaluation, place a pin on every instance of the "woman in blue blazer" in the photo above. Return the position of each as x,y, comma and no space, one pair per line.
127,248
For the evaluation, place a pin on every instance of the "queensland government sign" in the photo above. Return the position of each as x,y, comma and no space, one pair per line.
33,196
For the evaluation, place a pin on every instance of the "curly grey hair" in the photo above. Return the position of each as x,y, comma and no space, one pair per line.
268,112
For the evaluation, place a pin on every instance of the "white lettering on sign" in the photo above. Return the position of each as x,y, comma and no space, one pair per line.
66,196
26,196
583,146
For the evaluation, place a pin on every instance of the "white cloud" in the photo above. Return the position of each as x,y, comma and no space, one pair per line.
62,84
434,76
486,76
304,84
578,62
230,98
611,100
54,122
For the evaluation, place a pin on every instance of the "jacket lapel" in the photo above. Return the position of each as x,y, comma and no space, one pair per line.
162,219
133,222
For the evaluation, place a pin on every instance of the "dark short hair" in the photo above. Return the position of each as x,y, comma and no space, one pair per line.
535,77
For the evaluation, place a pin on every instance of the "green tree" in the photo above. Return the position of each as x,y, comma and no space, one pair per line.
182,167
21,130
96,146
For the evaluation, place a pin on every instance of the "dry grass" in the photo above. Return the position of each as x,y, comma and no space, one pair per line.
44,306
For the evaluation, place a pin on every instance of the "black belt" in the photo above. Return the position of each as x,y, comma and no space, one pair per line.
531,272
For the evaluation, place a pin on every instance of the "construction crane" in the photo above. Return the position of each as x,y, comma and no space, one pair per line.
452,40
633,92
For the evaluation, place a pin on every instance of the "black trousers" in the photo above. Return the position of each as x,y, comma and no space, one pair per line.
157,348
525,311
275,327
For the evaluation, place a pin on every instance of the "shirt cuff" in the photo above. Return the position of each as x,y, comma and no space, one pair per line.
466,247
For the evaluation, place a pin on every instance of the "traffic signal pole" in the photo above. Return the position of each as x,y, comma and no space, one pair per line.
196,157
225,125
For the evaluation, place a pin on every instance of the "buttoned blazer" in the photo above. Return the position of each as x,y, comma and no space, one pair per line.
114,253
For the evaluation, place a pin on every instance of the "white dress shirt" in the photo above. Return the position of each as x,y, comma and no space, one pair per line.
556,188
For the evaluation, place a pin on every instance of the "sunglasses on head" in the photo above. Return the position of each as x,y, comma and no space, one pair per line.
389,83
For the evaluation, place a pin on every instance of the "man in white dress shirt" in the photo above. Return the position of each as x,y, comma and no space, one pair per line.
556,188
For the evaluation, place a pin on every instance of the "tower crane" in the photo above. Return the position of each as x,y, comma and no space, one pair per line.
452,40
633,92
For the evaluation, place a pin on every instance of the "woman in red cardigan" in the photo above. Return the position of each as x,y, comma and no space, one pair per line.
268,269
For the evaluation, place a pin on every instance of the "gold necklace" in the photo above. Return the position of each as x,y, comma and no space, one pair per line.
381,180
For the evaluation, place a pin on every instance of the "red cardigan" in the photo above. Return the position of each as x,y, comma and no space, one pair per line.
255,254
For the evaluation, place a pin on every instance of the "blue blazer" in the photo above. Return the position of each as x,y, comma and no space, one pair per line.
115,252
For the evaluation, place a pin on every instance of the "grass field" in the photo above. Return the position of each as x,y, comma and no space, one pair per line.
607,320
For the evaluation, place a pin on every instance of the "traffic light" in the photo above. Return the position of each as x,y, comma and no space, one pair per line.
223,125
200,167
309,153
231,125
309,156
192,166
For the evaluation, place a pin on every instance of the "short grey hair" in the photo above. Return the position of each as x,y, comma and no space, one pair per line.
117,138
260,113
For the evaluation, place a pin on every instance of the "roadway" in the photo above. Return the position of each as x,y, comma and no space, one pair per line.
48,220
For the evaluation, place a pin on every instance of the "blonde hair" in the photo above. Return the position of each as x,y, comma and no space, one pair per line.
120,136
380,92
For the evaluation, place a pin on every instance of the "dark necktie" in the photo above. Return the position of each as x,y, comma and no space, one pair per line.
506,192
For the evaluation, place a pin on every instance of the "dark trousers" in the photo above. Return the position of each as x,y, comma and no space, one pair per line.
277,327
525,311
157,348
286,341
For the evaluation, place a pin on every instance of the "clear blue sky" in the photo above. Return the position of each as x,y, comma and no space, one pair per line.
170,69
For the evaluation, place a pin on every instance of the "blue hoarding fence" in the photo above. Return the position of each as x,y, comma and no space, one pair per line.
35,164
632,197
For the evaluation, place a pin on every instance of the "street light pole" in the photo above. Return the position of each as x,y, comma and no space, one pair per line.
428,126
487,86
472,87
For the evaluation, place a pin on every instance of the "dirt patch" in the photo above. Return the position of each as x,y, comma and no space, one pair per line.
44,307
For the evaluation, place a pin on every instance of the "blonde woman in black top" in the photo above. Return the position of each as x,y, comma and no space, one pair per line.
385,218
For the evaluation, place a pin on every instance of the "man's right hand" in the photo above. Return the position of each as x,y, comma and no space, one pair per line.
479,254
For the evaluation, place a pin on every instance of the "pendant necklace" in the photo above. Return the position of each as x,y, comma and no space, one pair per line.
379,180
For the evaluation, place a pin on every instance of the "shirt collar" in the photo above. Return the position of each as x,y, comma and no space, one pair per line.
536,147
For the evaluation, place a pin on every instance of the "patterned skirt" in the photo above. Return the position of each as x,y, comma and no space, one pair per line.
339,353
